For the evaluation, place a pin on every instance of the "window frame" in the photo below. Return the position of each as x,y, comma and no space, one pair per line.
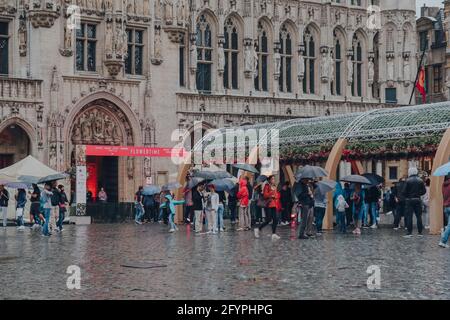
261,81
205,50
85,41
231,79
132,53
7,36
286,82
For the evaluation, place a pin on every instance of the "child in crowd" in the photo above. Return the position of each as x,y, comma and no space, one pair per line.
341,206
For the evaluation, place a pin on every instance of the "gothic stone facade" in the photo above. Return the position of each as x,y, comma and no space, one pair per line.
138,69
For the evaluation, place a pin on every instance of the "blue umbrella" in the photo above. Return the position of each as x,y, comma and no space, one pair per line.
18,185
171,186
151,190
442,171
223,184
193,182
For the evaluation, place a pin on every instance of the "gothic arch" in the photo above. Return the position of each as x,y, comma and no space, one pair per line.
25,126
211,16
114,100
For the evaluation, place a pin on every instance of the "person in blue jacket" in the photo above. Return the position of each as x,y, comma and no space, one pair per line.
170,204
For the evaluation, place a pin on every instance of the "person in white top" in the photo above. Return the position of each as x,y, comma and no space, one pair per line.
426,205
212,205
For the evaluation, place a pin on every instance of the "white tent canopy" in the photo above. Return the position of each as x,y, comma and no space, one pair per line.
29,166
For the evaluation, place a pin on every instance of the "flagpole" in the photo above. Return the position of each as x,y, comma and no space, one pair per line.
418,71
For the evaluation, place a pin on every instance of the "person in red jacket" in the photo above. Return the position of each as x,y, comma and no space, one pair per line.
244,212
272,202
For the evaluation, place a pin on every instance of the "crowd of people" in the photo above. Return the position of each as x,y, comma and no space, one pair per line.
48,207
356,206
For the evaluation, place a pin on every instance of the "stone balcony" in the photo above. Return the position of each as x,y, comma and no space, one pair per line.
232,110
20,90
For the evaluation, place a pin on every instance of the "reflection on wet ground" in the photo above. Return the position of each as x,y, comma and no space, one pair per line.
124,261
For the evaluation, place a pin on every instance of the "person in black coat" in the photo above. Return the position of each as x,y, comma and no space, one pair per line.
198,207
413,191
286,202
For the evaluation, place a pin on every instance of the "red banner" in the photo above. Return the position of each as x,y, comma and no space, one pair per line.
130,151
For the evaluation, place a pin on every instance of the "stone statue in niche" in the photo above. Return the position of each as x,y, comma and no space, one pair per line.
349,70
130,167
193,54
371,71
406,70
390,68
331,66
147,167
109,35
221,57
22,37
325,67
168,11
121,41
181,11
277,62
108,5
158,9
301,66
158,43
248,58
255,61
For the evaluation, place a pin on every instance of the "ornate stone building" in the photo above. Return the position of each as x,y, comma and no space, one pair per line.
135,70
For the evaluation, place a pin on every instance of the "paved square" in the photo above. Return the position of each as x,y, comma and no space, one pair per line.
232,265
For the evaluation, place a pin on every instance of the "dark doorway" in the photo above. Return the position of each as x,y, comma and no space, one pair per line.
6,160
103,172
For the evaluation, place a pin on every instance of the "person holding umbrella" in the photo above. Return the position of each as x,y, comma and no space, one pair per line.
357,199
320,207
286,203
305,197
271,197
4,199
35,213
138,205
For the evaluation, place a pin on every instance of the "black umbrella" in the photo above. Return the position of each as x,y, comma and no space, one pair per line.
375,179
212,175
193,182
261,179
310,172
245,167
355,178
223,184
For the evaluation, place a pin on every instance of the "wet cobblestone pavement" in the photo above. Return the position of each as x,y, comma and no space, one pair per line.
232,265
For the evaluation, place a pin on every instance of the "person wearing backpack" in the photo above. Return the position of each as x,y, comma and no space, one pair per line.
341,207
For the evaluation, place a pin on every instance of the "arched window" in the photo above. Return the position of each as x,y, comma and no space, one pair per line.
262,50
336,84
204,55
231,49
285,80
357,59
310,59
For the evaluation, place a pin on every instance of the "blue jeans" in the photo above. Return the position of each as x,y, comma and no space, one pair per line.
340,220
319,214
171,223
446,234
62,215
220,216
364,209
373,212
20,220
47,221
139,213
